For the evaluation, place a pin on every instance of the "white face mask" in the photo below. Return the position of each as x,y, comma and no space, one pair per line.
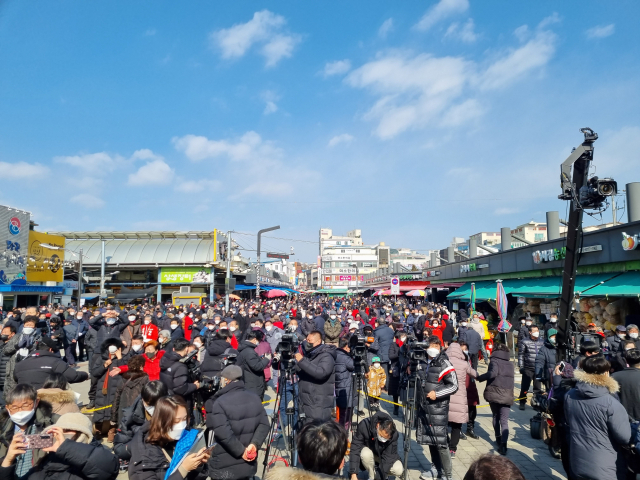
463,324
181,315
147,322
113,349
381,438
136,348
21,418
177,430
621,335
211,327
78,318
149,409
433,352
232,329
132,318
633,335
435,325
333,317
403,339
528,324
269,328
111,321
535,334
28,330
197,345
553,320
377,365
173,327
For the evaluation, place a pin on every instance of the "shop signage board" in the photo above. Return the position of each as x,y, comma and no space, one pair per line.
45,264
14,245
185,275
556,254
472,267
395,285
430,273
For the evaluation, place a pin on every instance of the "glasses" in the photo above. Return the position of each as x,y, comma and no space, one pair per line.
25,407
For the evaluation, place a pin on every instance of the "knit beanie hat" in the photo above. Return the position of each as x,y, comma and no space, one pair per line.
375,359
551,332
77,422
232,372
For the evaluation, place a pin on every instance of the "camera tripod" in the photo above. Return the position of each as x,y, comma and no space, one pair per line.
289,431
358,380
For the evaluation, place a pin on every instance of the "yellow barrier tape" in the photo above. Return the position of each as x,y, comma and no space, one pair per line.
95,409
401,405
269,401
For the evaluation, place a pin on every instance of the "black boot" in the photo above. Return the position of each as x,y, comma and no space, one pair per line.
502,449
470,432
498,440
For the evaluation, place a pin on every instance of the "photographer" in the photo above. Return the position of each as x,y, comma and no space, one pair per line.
174,372
218,347
253,365
375,444
317,379
240,425
527,353
438,382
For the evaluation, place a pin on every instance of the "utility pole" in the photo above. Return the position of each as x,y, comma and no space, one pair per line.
260,232
580,158
103,294
80,280
226,296
613,208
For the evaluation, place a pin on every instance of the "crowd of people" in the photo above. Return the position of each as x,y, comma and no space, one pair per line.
178,391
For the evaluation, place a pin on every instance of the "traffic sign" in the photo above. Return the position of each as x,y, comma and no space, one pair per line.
395,285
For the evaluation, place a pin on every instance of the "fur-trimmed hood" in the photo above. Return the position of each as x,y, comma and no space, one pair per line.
56,395
290,473
594,380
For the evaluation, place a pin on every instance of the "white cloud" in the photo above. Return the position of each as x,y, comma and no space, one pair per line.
464,33
601,31
156,172
550,20
248,147
22,170
338,139
265,28
441,11
519,62
96,163
196,186
522,33
385,28
505,211
145,154
88,201
338,67
270,98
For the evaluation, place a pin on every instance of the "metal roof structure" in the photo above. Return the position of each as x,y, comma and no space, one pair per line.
138,249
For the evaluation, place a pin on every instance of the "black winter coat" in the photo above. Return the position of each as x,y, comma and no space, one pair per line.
4,359
471,338
448,332
252,368
366,436
113,383
527,353
131,420
237,419
343,369
212,362
546,362
433,415
175,375
148,461
35,369
397,359
317,382
629,381
127,393
105,331
73,461
500,379
384,335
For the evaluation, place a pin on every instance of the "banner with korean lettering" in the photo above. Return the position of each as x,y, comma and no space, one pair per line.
185,275
14,239
45,264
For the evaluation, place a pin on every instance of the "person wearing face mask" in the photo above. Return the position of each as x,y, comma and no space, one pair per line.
615,341
175,374
316,372
546,359
133,382
376,380
374,448
22,415
469,336
524,332
148,330
439,382
83,328
70,339
176,330
552,323
332,328
527,354
134,417
240,425
164,340
107,371
132,329
109,325
398,362
598,423
252,364
35,369
307,325
164,440
319,320
633,332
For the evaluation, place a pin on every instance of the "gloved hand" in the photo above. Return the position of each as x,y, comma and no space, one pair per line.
522,371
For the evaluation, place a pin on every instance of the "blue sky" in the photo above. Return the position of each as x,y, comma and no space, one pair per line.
414,121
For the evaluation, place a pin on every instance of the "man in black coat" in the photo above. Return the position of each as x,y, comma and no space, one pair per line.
473,340
252,365
384,335
240,425
375,444
629,381
527,353
319,320
174,373
35,369
218,347
344,390
315,370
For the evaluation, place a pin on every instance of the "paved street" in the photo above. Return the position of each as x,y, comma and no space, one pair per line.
531,456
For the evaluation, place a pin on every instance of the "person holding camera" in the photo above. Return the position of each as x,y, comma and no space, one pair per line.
174,371
527,353
438,382
253,365
317,378
240,425
375,447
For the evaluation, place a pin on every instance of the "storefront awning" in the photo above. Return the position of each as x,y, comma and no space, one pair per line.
625,285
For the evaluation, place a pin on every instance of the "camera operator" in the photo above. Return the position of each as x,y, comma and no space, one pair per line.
375,444
439,381
253,365
587,349
174,373
240,426
217,349
344,392
527,353
317,378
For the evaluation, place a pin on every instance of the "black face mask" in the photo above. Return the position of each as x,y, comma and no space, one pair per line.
151,355
308,346
4,338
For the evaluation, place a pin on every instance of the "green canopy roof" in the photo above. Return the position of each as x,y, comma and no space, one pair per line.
625,285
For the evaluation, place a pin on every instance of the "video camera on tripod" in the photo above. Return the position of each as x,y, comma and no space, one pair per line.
287,348
358,349
416,351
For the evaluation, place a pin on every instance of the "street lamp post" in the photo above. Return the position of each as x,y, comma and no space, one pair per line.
260,232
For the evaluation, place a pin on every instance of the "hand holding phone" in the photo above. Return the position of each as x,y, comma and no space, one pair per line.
39,441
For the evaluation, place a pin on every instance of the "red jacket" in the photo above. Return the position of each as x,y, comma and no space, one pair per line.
437,331
149,332
187,322
152,366
234,342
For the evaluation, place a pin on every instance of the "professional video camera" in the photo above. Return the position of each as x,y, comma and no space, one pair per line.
191,361
417,351
287,348
594,193
358,349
